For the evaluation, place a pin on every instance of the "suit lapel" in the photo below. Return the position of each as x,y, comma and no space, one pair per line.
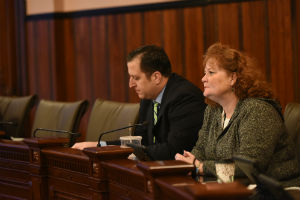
165,98
160,113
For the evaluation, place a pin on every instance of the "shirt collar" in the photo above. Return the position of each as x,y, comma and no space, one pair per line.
159,97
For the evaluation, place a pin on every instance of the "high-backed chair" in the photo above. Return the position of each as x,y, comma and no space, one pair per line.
292,123
108,115
59,117
14,111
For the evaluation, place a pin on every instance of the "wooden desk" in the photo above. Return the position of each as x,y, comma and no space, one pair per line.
169,180
45,169
76,174
15,180
22,173
125,180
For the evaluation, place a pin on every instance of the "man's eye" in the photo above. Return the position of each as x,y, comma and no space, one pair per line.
135,78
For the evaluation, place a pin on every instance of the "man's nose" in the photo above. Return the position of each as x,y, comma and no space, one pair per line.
131,83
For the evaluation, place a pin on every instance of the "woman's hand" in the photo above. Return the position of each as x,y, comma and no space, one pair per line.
186,157
190,158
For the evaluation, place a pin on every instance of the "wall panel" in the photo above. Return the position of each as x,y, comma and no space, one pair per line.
228,24
194,44
31,58
295,10
134,38
116,48
44,69
153,27
210,25
100,73
254,29
173,38
65,53
281,49
8,50
83,58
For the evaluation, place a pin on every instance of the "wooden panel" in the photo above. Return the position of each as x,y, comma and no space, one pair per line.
8,78
210,24
117,65
100,80
31,62
43,169
83,55
228,24
15,180
43,66
173,39
255,32
194,44
58,52
134,39
153,27
66,67
296,47
40,63
281,49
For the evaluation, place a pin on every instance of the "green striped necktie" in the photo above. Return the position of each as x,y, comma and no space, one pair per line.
155,111
155,115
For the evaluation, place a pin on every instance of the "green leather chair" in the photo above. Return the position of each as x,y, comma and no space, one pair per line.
60,118
292,123
109,115
14,113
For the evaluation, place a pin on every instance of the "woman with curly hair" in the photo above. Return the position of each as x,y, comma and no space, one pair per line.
242,118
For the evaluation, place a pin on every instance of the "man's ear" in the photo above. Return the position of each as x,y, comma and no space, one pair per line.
157,77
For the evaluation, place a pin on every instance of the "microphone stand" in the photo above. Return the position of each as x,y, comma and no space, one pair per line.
104,133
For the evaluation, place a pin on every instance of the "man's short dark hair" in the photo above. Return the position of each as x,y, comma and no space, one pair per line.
153,58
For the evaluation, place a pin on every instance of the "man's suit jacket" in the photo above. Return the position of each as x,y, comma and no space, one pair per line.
179,120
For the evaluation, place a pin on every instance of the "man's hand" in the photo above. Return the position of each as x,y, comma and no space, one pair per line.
82,145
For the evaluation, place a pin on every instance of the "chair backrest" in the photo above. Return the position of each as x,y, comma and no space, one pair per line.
292,123
108,115
15,110
56,115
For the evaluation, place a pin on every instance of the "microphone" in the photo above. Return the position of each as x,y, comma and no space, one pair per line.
73,135
8,124
134,125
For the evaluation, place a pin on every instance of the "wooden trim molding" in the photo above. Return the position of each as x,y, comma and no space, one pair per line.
67,8
54,6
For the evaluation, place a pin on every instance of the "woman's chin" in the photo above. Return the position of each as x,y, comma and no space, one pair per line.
206,94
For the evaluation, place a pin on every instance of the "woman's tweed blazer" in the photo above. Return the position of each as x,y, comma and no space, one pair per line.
255,130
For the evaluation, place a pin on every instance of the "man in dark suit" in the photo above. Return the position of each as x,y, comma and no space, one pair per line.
172,105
